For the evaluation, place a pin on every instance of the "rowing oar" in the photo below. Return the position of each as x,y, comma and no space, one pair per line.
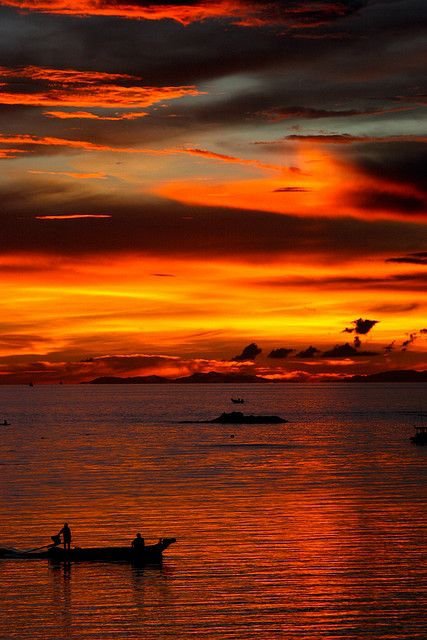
56,540
46,546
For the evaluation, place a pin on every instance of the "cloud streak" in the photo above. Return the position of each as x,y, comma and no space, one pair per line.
87,115
295,14
75,216
309,113
75,88
70,174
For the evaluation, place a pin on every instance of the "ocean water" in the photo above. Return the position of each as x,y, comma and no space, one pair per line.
313,530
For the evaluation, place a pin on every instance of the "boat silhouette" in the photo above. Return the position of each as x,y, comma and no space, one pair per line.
150,554
420,436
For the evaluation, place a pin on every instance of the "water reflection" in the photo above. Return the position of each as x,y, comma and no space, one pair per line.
136,598
153,599
61,601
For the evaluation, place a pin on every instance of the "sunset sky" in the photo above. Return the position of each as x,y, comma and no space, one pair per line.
227,185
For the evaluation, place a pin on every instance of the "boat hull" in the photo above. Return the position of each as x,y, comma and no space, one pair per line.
151,554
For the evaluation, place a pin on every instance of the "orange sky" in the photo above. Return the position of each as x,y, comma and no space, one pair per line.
165,207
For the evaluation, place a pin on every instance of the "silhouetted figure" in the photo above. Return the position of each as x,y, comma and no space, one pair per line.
56,540
66,537
138,543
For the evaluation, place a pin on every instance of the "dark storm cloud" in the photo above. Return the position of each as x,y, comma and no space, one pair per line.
361,326
346,351
310,352
250,352
399,162
376,199
164,227
280,353
291,190
163,275
419,257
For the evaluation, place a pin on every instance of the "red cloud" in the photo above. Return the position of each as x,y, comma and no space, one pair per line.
245,13
63,76
74,88
75,216
86,115
26,140
184,13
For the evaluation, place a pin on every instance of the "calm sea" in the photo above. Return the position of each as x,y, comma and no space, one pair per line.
311,530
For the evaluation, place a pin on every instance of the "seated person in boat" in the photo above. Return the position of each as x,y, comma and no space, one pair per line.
66,536
138,543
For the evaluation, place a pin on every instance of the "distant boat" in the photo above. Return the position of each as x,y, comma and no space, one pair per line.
237,400
5,423
31,384
420,436
150,554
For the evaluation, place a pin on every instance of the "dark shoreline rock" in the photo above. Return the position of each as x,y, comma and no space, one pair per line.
237,417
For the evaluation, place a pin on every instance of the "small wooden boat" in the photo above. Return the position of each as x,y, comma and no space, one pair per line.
237,400
420,436
150,554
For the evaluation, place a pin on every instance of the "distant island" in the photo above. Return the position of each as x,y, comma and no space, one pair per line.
397,375
215,377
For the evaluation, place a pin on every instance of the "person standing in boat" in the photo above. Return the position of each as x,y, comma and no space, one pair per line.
138,543
66,536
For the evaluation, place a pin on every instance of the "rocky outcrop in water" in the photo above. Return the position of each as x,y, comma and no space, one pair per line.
237,417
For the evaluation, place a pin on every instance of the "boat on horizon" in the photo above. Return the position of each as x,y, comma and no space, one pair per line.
237,400
150,554
420,436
